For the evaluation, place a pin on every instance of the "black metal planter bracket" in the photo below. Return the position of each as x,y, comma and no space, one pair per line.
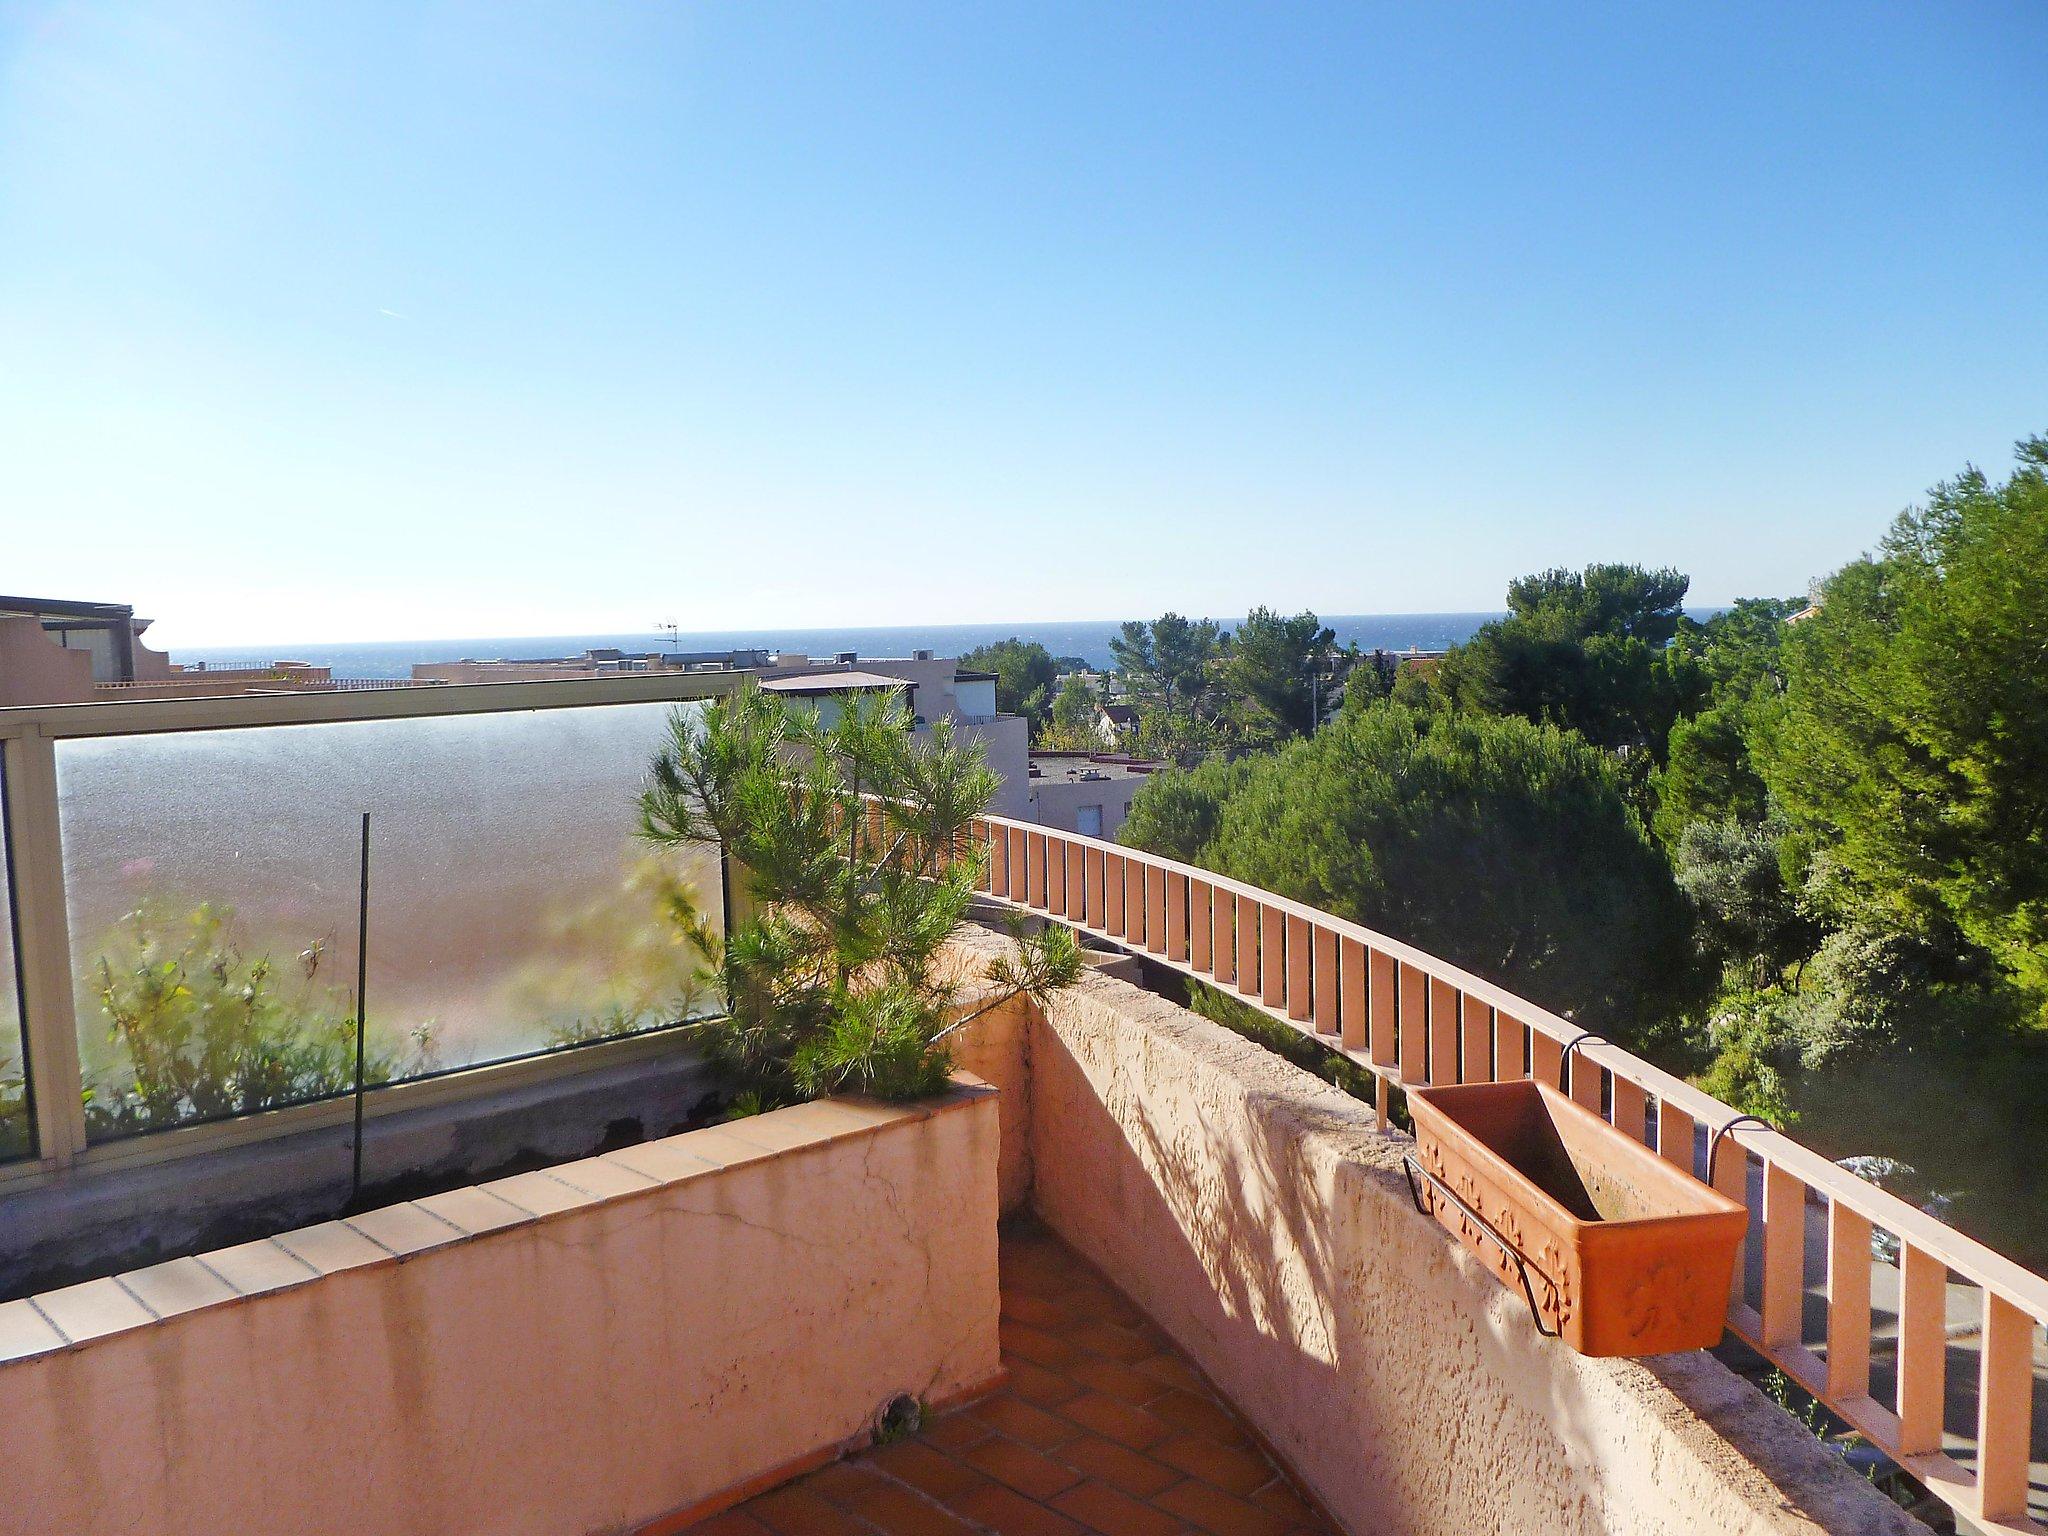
1714,1141
1514,1255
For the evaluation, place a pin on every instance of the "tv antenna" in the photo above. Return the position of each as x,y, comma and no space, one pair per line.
670,628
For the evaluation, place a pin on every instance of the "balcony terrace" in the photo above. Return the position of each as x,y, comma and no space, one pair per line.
1134,1273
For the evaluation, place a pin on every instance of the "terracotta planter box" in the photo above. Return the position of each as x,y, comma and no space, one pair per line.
1618,1251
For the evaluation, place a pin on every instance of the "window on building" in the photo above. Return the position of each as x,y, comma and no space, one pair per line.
1088,821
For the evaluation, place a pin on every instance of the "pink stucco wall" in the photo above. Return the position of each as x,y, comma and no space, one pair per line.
583,1349
1260,1218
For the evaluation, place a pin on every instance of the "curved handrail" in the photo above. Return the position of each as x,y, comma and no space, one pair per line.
2016,1299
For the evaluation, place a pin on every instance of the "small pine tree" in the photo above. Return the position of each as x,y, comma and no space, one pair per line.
851,868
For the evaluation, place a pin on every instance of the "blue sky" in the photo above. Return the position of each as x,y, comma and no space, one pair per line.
421,320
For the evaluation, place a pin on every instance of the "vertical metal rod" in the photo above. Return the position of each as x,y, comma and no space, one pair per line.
362,981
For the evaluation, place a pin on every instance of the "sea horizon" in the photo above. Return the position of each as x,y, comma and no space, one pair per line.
1087,640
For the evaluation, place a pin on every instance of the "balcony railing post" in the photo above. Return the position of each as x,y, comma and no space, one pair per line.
49,1024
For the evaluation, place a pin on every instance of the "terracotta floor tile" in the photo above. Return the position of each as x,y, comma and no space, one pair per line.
1100,1430
1242,1472
1118,1465
927,1470
1115,1419
798,1512
1172,1370
1217,1512
1101,1508
1117,1379
1030,1472
1279,1497
1012,1515
734,1522
1197,1413
1114,1340
1040,1387
1016,1418
1039,1347
901,1512
842,1480
1022,1307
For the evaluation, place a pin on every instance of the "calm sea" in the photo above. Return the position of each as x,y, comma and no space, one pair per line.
1089,641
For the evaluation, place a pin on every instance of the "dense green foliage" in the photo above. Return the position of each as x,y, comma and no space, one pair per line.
848,848
1910,748
1503,846
1848,804
201,1029
1026,675
1270,670
1584,650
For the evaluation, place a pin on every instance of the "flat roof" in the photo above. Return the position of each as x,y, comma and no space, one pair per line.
830,682
1074,765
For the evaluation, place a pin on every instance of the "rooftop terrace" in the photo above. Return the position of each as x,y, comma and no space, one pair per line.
556,1297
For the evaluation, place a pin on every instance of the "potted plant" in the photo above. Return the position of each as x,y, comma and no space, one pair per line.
849,868
1618,1251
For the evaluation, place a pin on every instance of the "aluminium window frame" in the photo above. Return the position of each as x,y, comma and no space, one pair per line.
29,736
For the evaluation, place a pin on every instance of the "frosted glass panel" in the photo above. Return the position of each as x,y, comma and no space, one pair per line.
212,880
17,1136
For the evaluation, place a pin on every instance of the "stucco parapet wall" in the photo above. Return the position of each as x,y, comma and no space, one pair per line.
587,1347
77,1315
1260,1216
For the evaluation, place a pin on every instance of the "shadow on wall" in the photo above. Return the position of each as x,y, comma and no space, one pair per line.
1260,1217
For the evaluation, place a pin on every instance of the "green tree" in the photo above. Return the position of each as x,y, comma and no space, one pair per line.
1371,679
1171,661
851,870
1587,650
1503,846
1708,773
1025,676
1733,873
1911,742
1270,668
1073,708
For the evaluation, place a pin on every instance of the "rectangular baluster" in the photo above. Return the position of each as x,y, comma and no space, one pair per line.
1586,1085
1475,1055
1247,946
1202,926
1323,981
1784,1254
1135,915
1034,869
1299,978
2005,1405
1155,910
1414,1010
1545,1057
1674,1135
1077,884
1510,1047
1272,957
1631,1109
1019,859
1443,1031
1056,876
1923,1347
1848,1302
1223,937
1097,909
1731,1177
998,862
1176,916
1351,995
1382,1028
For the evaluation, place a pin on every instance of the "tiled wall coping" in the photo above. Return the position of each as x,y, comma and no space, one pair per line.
76,1316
